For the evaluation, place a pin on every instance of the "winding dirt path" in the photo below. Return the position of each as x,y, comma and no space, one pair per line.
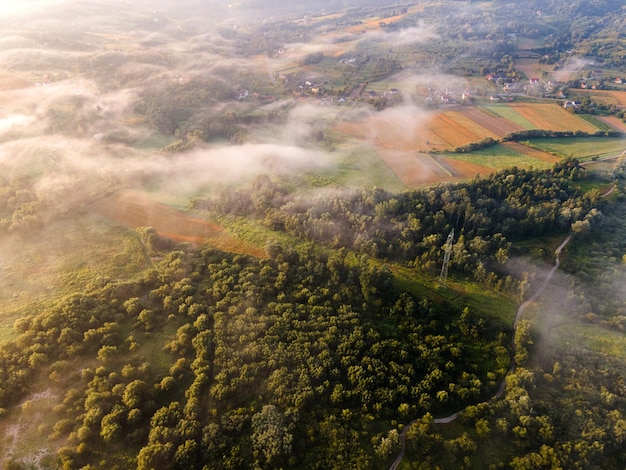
500,392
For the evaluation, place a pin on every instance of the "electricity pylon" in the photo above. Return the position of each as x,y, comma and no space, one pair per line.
443,277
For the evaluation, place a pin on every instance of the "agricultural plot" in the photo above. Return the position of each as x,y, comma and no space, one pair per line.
509,114
500,157
497,125
609,97
582,148
463,168
530,66
614,123
522,149
399,136
552,117
415,168
373,24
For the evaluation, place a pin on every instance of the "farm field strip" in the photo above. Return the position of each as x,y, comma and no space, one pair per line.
510,114
498,125
502,162
614,122
373,24
531,152
552,117
472,122
465,169
451,131
461,133
581,147
414,168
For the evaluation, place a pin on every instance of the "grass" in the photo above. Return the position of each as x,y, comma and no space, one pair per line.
583,148
459,292
360,165
603,126
64,257
499,157
155,141
570,332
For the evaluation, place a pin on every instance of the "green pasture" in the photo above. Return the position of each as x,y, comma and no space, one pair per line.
582,148
357,164
499,157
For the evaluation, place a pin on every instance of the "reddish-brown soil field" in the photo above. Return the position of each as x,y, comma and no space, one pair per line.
531,152
465,170
496,124
134,210
614,122
414,168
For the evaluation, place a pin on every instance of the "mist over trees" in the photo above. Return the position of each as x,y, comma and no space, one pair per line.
332,338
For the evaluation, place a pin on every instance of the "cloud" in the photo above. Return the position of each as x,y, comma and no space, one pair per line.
406,36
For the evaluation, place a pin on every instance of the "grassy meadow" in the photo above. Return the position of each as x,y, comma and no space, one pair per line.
582,148
500,157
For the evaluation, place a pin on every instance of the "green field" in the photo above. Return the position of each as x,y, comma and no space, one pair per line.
583,148
500,158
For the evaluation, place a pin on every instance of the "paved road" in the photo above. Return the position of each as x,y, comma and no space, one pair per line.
500,392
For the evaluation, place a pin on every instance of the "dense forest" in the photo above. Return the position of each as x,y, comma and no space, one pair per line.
315,355
485,213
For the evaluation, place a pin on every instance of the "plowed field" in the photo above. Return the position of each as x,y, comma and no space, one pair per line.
614,122
134,209
415,168
552,117
422,132
498,125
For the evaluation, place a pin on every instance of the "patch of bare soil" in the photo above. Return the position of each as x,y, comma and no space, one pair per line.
414,168
134,209
465,170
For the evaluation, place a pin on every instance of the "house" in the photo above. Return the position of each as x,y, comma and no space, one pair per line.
448,98
618,81
571,104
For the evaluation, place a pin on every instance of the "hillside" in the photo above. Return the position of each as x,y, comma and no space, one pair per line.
235,236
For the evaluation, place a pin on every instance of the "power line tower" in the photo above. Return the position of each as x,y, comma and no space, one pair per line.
443,277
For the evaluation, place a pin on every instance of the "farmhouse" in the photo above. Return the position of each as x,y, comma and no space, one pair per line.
571,104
